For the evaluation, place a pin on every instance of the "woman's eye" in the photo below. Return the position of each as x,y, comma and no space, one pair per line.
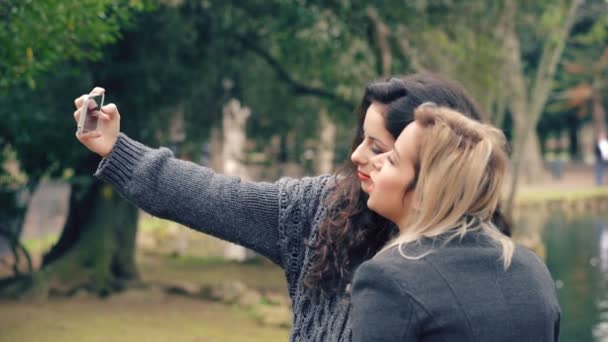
377,150
390,160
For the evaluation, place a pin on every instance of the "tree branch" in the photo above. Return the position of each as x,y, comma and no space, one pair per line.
528,109
381,34
599,115
407,50
297,87
551,55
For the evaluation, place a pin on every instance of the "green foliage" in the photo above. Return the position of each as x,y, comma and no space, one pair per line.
38,124
38,35
45,44
177,58
581,67
286,60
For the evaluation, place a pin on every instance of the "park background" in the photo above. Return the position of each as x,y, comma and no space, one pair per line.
264,89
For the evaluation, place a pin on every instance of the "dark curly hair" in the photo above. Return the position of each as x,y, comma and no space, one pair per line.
350,232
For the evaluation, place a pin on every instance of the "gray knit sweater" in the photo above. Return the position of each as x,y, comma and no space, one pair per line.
273,219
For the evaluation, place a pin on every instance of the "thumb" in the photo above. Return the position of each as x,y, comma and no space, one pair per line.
111,110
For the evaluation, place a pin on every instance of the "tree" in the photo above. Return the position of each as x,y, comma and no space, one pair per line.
149,87
528,97
456,39
583,77
38,38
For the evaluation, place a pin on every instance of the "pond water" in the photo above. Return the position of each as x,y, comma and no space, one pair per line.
575,248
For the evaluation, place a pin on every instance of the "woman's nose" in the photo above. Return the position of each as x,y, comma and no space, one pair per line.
356,156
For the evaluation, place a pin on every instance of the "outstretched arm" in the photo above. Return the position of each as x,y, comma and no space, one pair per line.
242,212
245,213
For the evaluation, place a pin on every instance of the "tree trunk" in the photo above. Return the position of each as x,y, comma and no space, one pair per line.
532,169
234,118
95,251
528,105
12,217
327,142
523,141
97,245
599,115
381,34
216,146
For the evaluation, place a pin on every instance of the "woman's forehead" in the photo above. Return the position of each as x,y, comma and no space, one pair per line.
375,114
409,139
375,123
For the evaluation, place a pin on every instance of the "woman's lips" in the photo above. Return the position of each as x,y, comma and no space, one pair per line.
366,182
363,177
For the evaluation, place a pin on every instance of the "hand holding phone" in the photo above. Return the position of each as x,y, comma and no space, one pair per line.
98,125
90,110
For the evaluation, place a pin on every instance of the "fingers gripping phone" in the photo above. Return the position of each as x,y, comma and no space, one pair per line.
89,112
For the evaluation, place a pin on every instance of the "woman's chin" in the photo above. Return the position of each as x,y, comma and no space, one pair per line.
377,207
367,187
370,207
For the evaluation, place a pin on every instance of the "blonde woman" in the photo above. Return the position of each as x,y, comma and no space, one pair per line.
449,275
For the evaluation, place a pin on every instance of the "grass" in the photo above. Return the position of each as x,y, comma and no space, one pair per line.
41,244
532,195
150,314
153,318
262,276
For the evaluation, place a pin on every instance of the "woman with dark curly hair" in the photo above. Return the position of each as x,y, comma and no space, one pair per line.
318,229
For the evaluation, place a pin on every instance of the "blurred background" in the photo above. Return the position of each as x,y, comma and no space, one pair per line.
264,89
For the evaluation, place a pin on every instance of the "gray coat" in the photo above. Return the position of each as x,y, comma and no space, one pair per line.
459,292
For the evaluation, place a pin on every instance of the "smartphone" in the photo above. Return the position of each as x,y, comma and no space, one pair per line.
89,112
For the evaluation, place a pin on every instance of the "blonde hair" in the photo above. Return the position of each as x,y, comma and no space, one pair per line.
460,171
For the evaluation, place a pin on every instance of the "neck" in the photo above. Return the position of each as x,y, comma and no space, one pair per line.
402,224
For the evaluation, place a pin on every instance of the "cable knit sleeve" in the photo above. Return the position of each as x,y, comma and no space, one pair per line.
301,211
246,213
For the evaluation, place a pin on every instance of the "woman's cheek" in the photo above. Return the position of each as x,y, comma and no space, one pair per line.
387,185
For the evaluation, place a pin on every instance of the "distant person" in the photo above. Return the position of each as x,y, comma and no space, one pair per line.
601,158
318,229
450,274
